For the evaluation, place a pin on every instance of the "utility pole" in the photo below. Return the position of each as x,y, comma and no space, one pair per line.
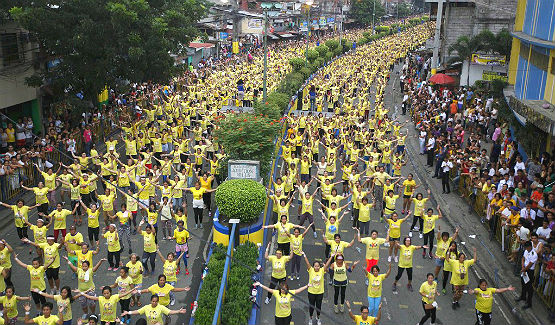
437,41
373,15
308,4
341,24
264,83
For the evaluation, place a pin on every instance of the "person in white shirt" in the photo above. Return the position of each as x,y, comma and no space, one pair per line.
446,166
544,232
528,264
527,213
519,164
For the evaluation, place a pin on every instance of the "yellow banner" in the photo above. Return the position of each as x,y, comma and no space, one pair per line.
235,47
489,59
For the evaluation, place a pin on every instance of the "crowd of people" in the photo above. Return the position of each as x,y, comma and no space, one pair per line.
361,147
463,138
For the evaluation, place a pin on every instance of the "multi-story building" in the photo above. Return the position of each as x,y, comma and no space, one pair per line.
469,18
531,91
17,62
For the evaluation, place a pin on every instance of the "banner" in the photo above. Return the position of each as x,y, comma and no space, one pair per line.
493,75
224,35
488,59
235,47
255,23
322,21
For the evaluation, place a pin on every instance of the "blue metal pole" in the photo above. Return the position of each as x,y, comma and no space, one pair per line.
223,284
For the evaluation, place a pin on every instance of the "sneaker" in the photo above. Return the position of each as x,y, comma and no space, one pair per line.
186,271
393,287
342,308
84,316
267,301
201,226
115,269
196,226
297,277
336,309
352,218
431,256
409,287
291,278
178,271
410,234
423,255
389,258
310,321
318,321
396,259
443,291
366,281
330,282
315,235
420,235
130,251
172,302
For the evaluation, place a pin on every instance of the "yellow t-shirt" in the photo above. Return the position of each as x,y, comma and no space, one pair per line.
107,202
108,308
428,290
364,212
77,238
37,277
339,272
297,244
5,258
40,195
181,236
124,285
375,285
135,271
170,269
338,248
283,304
197,194
51,320
82,257
283,230
113,241
60,218
85,283
405,256
51,254
49,180
395,228
372,247
409,187
331,229
442,247
10,306
484,299
20,215
66,314
316,279
162,292
429,222
390,204
419,206
92,218
457,269
39,234
369,321
149,242
278,266
154,315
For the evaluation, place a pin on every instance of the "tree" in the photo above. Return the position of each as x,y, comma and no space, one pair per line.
464,47
103,42
503,42
403,9
363,10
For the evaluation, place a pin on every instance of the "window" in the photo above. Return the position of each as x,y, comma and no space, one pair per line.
10,48
553,65
539,59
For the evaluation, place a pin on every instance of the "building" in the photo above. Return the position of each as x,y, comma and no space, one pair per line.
469,18
531,91
17,62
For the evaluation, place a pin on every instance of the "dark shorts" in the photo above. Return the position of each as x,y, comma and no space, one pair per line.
340,283
52,273
406,196
397,239
37,298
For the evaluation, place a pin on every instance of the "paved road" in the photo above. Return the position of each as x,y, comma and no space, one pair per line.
401,308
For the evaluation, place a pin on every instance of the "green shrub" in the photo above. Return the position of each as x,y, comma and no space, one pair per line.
332,44
208,294
320,62
266,109
242,199
322,50
306,71
347,45
382,29
237,305
280,100
337,51
297,63
312,55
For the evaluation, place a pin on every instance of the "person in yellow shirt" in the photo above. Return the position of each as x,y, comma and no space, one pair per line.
181,236
429,221
459,275
59,218
114,247
73,241
163,290
316,280
52,258
41,198
372,248
64,299
340,268
170,271
36,275
9,303
395,234
124,283
364,318
198,203
279,273
443,243
149,246
46,318
296,245
419,205
283,300
428,291
484,300
409,185
154,312
374,283
107,203
135,268
21,216
405,262
108,304
283,229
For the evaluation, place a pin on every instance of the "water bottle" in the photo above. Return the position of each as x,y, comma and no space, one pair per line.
194,307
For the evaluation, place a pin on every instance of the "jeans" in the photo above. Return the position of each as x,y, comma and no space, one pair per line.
373,306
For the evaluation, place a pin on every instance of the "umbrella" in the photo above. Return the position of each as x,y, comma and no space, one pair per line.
441,79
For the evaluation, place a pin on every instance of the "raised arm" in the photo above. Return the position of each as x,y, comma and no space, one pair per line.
71,266
19,262
98,264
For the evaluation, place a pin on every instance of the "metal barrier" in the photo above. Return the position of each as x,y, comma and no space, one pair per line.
545,283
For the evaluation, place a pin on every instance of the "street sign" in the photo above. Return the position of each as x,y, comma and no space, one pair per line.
243,169
224,35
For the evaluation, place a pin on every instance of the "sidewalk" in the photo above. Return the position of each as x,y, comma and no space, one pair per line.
471,232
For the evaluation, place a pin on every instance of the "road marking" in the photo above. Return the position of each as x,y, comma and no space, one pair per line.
419,266
318,243
343,230
61,271
404,306
357,302
352,281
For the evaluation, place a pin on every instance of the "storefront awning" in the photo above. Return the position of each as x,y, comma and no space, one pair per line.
286,35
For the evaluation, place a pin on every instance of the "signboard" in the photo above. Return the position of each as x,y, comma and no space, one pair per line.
493,75
488,59
322,21
235,47
304,24
243,169
331,20
255,23
224,35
